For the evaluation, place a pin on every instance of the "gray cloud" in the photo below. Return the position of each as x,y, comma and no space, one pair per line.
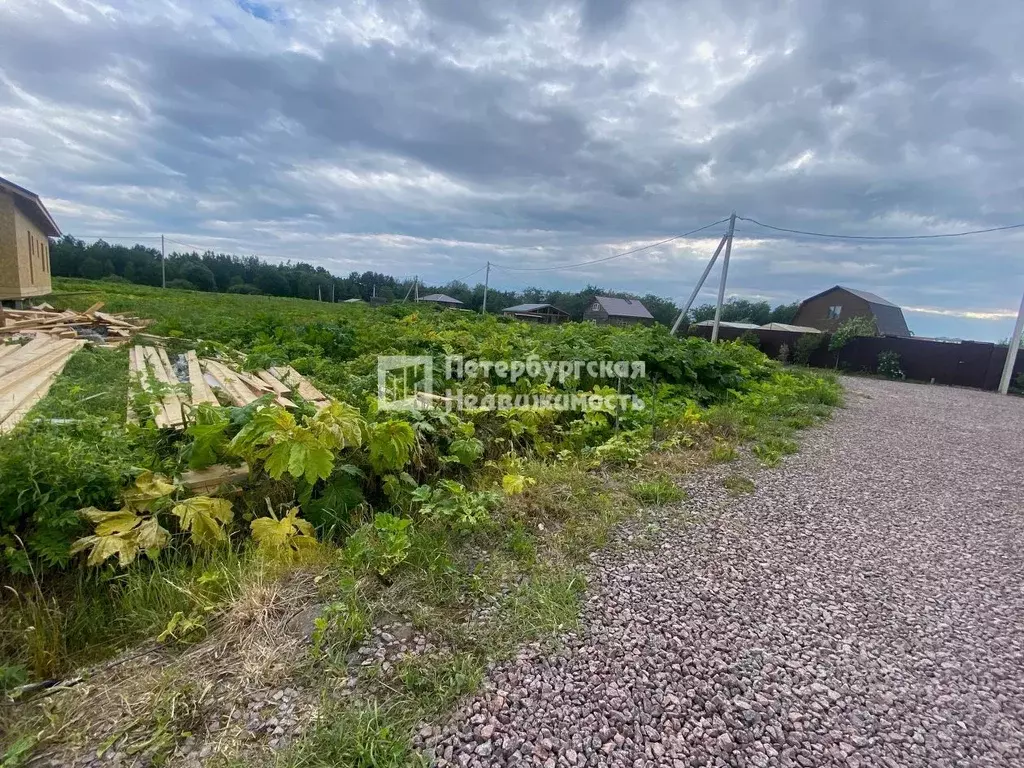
419,135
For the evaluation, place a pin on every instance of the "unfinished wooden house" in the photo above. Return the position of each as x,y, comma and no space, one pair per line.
25,229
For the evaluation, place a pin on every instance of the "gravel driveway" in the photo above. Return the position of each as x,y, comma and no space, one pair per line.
863,607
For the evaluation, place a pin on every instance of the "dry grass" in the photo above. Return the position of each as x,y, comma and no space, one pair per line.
143,704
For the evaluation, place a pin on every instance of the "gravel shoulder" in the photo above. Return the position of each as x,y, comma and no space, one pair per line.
863,606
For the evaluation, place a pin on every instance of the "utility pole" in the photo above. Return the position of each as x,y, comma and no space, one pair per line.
416,287
163,263
700,284
725,275
332,291
487,280
319,295
1011,351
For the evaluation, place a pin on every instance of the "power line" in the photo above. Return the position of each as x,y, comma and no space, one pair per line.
609,258
881,237
475,271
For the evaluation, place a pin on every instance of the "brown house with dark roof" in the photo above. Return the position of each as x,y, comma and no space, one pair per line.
537,313
25,229
614,311
829,309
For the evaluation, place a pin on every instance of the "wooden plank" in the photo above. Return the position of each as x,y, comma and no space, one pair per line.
298,383
55,350
15,405
170,402
94,308
7,349
268,378
235,388
24,354
212,478
133,386
115,320
144,379
201,392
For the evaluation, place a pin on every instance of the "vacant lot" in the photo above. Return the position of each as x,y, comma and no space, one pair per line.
862,606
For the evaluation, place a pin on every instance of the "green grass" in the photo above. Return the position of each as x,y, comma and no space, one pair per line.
659,491
356,735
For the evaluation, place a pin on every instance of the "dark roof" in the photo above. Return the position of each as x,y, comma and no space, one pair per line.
888,316
533,308
440,298
623,307
33,207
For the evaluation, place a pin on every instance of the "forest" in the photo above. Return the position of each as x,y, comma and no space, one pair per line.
226,273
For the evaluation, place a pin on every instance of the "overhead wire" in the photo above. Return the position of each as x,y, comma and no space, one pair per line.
880,237
475,271
615,256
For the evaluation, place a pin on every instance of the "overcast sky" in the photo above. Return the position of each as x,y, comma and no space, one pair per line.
428,136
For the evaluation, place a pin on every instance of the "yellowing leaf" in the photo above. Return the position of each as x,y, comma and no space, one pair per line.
286,535
102,547
204,518
513,484
149,488
110,523
151,535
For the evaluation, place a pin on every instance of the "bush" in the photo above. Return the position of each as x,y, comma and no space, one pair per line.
244,288
750,338
806,346
855,326
889,364
182,285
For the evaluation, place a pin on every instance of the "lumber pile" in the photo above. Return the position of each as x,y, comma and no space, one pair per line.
27,372
68,324
169,399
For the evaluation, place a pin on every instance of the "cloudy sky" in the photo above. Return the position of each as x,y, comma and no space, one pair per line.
429,136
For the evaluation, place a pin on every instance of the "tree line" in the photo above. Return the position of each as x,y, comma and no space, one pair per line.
226,273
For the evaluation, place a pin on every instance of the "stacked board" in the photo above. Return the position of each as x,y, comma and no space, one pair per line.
170,400
27,372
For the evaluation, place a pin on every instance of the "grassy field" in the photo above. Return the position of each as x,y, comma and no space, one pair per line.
358,515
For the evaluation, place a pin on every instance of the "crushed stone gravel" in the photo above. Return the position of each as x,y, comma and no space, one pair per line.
864,606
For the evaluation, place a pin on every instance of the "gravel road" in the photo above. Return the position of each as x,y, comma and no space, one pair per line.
863,607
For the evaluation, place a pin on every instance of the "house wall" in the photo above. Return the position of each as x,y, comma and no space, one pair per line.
595,312
33,257
10,278
814,313
24,253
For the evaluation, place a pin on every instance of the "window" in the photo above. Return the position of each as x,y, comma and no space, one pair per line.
834,312
31,258
596,307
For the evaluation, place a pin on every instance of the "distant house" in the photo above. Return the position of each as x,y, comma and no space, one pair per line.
827,310
442,300
537,313
25,226
614,311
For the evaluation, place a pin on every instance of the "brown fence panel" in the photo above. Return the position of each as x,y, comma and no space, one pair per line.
964,364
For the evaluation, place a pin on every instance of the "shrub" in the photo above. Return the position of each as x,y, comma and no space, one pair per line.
889,364
855,326
750,338
806,346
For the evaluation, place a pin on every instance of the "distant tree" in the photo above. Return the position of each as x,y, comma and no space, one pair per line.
199,275
91,269
184,285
